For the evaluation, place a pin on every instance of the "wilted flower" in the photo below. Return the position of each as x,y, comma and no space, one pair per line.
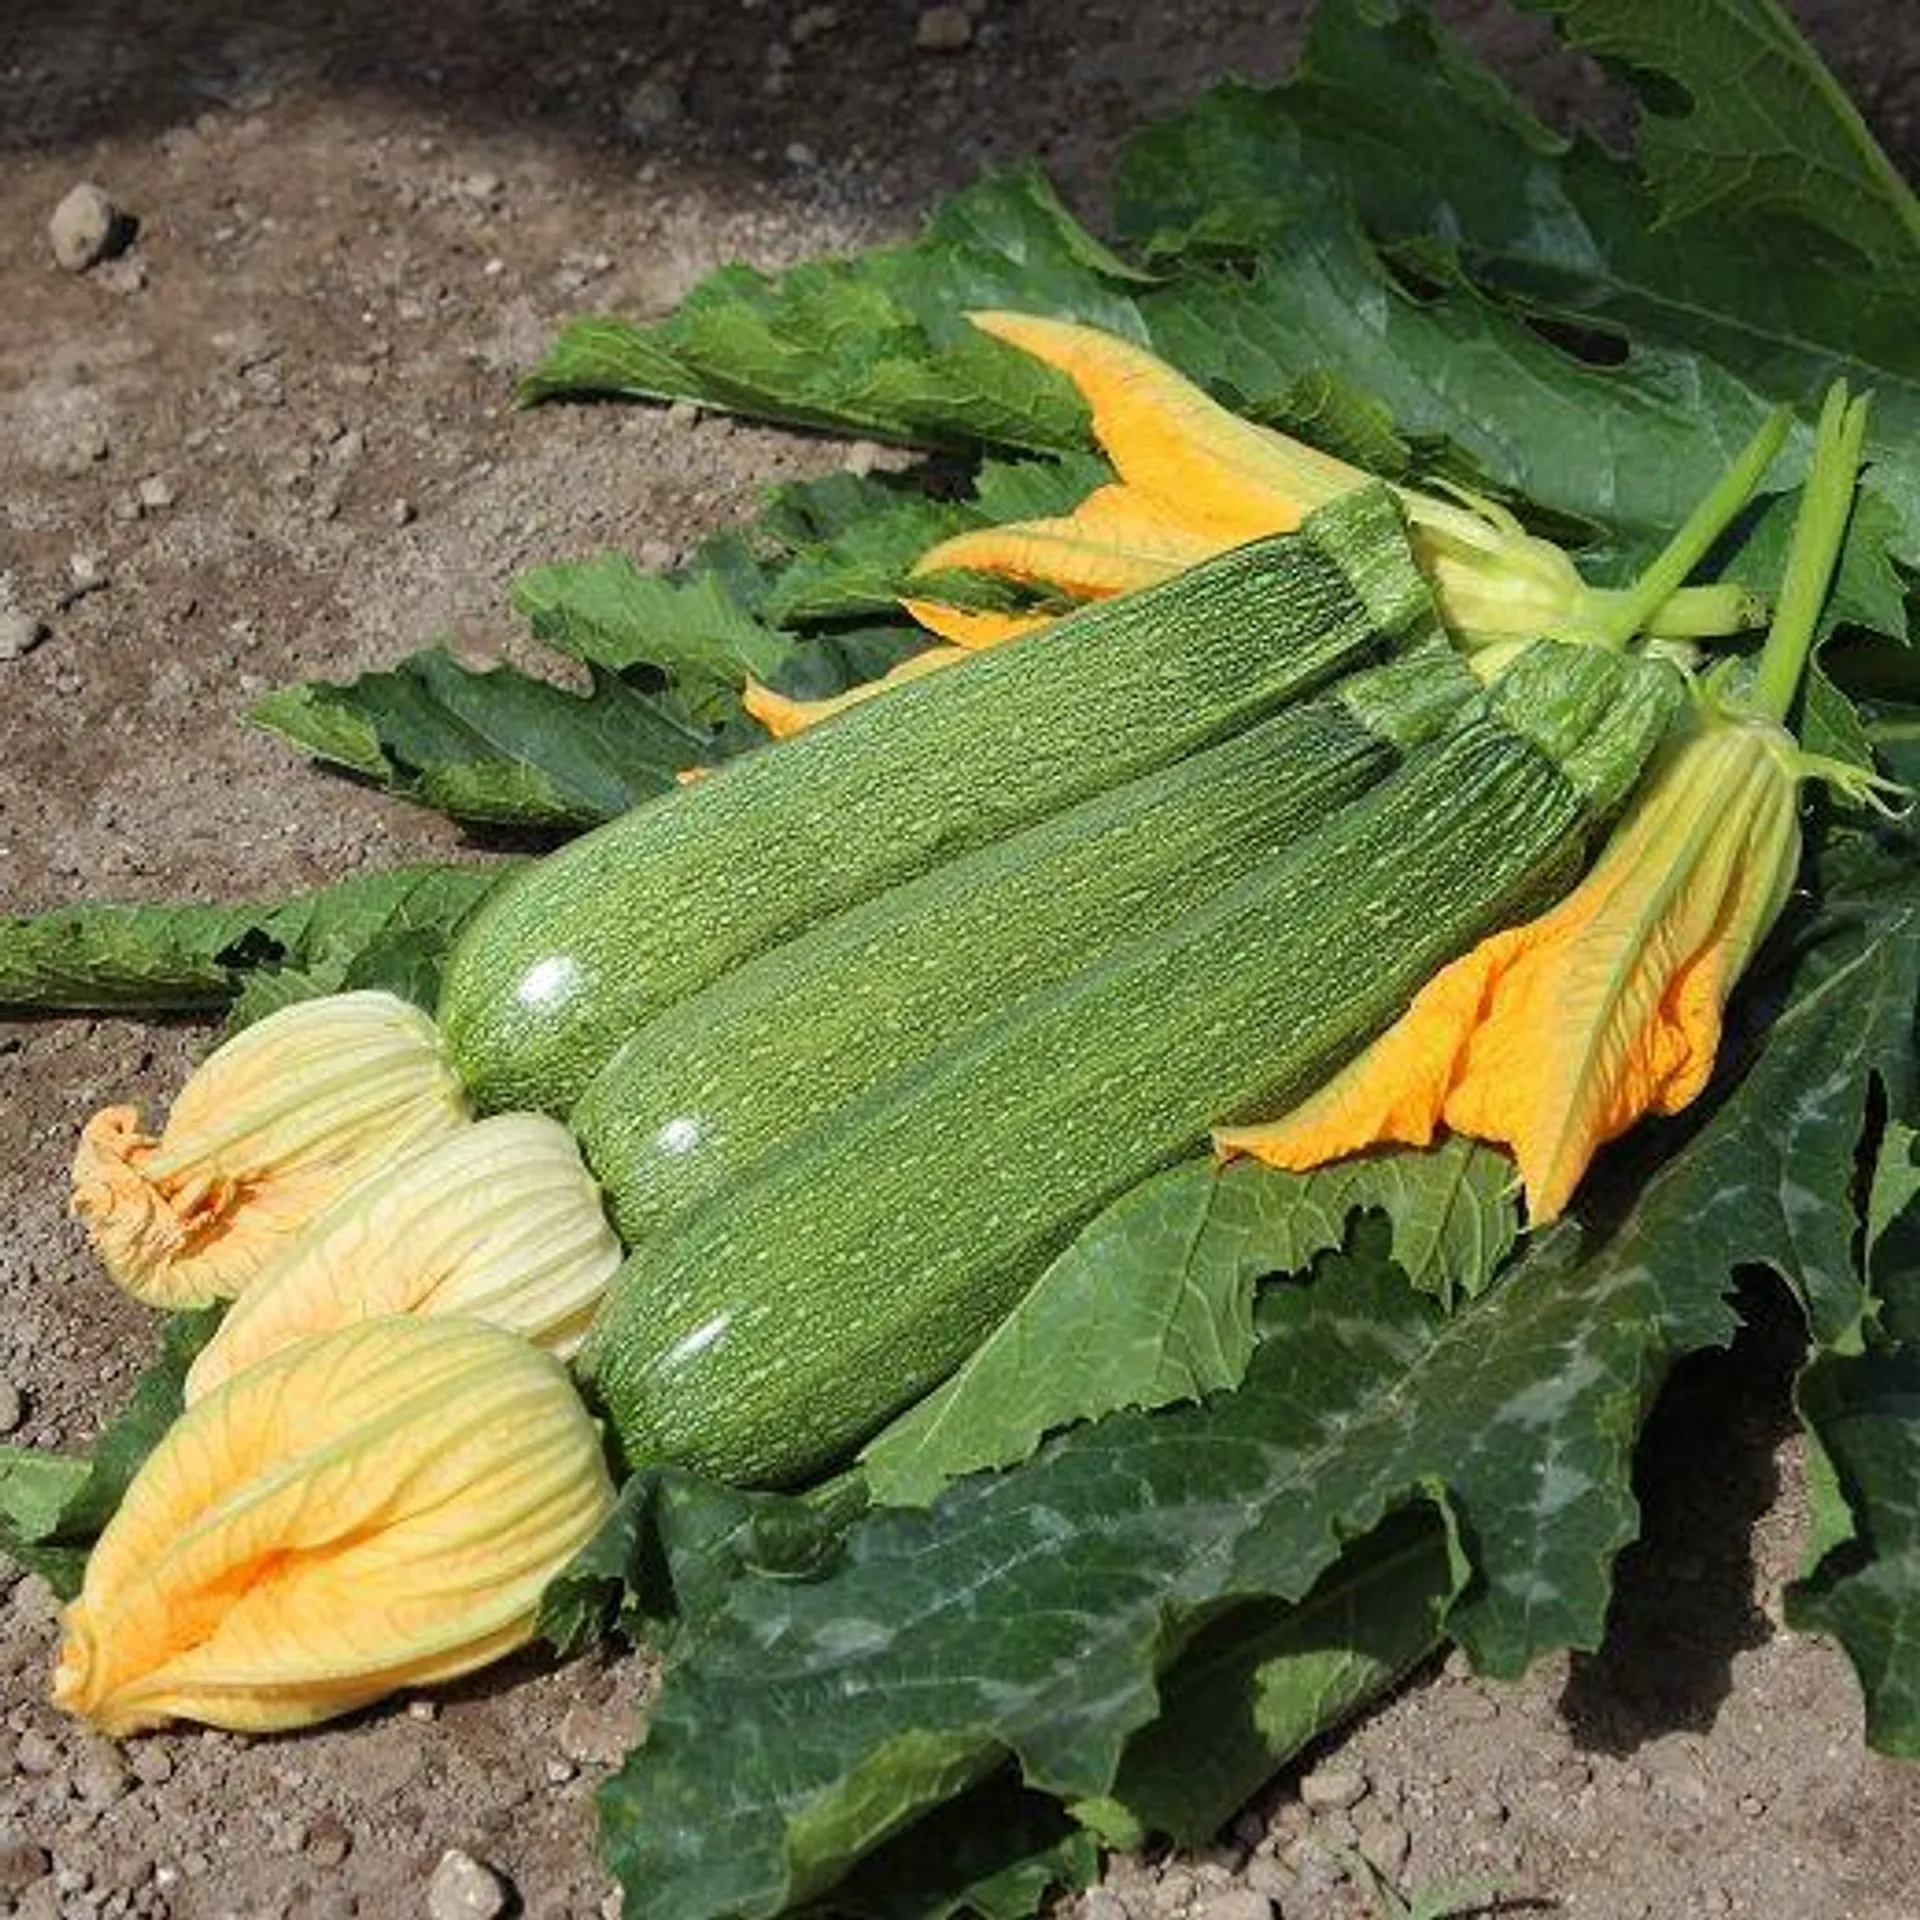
371,1509
269,1129
499,1220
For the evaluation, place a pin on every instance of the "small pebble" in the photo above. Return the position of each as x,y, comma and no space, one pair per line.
944,29
83,228
1102,1905
652,107
100,1776
463,1888
20,633
1716,1901
1266,1875
1316,1869
22,1859
402,513
156,493
328,1841
1333,1789
810,22
1386,1844
421,1709
128,274
36,1753
152,1764
594,1736
559,1772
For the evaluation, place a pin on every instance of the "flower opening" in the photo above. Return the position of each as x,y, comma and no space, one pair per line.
268,1129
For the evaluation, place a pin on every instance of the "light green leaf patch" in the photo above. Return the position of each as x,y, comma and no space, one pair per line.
1166,1275
107,957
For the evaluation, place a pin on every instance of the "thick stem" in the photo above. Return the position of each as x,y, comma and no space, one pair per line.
1818,532
1704,525
1708,613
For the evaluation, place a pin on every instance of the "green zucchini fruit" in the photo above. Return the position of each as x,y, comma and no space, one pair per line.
698,1097
770,1331
559,966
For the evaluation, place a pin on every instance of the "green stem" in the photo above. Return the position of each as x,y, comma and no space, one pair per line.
1708,613
1818,531
1704,525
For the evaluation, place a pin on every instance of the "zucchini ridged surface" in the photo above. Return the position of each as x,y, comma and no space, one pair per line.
699,1097
768,1333
560,966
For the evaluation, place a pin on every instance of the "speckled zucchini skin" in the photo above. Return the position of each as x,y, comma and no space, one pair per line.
697,1098
559,967
767,1333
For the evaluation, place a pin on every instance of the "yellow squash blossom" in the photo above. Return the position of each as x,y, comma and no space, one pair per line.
372,1509
1193,479
499,1221
1554,1037
269,1129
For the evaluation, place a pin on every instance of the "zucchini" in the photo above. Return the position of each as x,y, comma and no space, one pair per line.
568,958
698,1097
767,1333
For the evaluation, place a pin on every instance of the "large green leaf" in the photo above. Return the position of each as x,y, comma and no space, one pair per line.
877,343
1762,130
1862,1413
495,745
1167,1274
183,958
1444,163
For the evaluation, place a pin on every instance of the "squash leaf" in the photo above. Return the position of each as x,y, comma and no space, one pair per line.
156,958
1167,1274
1862,1415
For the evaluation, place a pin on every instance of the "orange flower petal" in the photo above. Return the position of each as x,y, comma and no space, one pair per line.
783,717
1115,541
972,627
1184,454
1556,1036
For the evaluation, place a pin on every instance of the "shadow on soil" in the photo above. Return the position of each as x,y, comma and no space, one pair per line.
733,85
1683,1594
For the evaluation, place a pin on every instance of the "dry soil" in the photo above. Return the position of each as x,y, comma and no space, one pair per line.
274,439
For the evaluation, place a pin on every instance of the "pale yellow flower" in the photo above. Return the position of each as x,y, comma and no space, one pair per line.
269,1129
499,1221
373,1509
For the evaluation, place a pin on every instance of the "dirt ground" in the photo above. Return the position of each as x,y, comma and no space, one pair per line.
275,440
